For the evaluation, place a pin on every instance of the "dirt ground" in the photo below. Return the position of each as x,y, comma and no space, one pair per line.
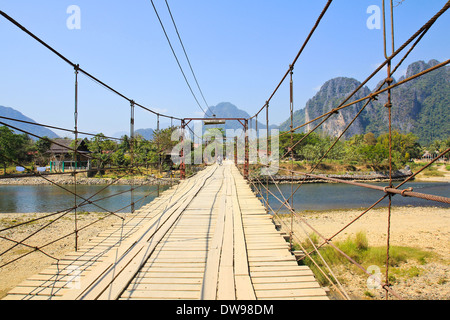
11,274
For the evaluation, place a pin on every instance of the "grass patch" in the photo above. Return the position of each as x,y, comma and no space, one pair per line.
357,247
410,272
433,172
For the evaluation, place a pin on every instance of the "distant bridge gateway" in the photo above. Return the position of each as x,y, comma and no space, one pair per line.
207,238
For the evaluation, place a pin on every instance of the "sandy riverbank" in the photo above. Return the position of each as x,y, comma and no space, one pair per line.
418,227
67,179
445,176
18,271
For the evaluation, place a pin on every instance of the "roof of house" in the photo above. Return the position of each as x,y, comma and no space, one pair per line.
61,145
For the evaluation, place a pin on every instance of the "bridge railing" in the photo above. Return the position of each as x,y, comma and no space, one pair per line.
131,169
260,183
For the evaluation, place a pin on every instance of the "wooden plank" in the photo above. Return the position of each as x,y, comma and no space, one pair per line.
209,288
26,297
283,279
160,287
272,274
286,285
172,295
226,283
278,268
159,280
38,291
244,286
185,269
290,293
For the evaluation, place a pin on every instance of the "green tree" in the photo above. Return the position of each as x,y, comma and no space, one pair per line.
404,147
42,146
162,143
373,154
118,158
142,150
370,139
102,150
14,148
7,150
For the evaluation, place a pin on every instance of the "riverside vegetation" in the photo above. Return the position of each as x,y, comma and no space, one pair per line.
361,152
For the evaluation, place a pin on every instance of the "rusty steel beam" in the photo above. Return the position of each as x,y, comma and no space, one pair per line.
246,160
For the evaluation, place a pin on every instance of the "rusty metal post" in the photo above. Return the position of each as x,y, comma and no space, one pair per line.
203,151
257,139
246,160
291,86
235,151
388,105
159,153
132,153
75,156
267,154
182,164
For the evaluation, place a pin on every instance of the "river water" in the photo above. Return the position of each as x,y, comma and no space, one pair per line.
330,196
312,196
50,198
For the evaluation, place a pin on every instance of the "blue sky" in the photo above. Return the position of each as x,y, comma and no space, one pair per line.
239,50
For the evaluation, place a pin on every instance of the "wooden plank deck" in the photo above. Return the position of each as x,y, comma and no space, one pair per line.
207,238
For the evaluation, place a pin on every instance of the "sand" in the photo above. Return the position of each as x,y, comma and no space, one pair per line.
419,227
12,274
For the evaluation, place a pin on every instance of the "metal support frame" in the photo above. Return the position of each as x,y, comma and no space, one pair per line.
75,156
182,155
244,122
246,158
235,151
132,153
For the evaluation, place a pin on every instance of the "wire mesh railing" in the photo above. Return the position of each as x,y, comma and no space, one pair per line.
130,160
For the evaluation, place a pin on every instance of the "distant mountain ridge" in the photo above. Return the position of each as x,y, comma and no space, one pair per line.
420,106
34,129
147,134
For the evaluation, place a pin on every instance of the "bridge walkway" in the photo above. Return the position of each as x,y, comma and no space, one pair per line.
206,238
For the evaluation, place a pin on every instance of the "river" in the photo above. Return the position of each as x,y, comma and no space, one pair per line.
311,196
49,198
331,196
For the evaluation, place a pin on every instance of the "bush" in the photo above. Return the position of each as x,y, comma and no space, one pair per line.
361,241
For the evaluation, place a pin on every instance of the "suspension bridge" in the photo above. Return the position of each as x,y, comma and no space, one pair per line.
208,238
214,235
